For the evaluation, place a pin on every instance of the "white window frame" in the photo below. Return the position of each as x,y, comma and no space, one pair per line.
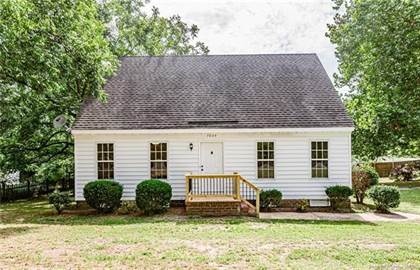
319,159
267,159
158,160
103,161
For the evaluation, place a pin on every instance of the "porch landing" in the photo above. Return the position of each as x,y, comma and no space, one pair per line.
220,195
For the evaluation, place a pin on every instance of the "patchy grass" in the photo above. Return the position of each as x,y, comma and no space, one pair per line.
32,236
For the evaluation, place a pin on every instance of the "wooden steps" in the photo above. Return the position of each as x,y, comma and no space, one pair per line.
220,195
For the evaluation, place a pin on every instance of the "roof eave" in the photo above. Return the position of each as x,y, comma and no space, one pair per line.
210,130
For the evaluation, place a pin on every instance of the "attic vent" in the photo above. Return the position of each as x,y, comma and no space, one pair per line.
212,122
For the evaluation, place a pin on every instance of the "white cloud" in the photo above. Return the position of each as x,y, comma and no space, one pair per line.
240,27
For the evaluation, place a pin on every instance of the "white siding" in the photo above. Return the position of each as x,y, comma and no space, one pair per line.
292,160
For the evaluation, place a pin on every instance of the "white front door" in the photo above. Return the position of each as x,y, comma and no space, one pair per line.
211,157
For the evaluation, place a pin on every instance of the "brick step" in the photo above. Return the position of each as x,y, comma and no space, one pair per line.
218,207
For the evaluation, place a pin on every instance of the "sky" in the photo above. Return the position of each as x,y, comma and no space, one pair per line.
259,26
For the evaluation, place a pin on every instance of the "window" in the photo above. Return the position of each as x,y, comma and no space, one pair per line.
158,161
105,152
265,159
319,159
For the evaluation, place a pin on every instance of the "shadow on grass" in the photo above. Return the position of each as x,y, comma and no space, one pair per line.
38,211
13,231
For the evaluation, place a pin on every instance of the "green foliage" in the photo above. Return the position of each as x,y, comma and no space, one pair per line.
131,31
153,196
338,192
56,53
53,54
302,206
377,46
270,198
373,174
60,200
103,195
384,197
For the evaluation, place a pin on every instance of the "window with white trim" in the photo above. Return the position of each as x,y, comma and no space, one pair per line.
319,159
105,157
158,161
265,159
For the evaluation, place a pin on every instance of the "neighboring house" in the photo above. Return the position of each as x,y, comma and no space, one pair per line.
274,119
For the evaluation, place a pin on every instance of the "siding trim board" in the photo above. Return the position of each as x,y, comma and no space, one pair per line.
292,155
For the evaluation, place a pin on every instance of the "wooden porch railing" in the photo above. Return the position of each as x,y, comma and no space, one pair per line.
223,185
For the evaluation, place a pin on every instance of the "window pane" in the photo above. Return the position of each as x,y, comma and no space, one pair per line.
319,145
271,145
158,156
259,146
99,156
313,154
313,145
325,154
259,155
325,145
271,155
163,146
265,154
163,155
111,156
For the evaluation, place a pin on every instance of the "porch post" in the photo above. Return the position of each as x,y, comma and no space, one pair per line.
237,185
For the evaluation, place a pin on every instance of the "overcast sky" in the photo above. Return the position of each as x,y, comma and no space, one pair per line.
259,26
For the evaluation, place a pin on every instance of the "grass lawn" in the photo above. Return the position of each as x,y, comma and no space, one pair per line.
31,236
410,202
408,184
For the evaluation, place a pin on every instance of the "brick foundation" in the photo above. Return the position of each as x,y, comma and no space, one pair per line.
209,208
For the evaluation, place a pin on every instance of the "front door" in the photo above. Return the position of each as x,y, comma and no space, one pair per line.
211,158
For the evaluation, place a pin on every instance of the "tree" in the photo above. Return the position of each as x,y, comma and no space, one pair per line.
131,31
54,54
377,47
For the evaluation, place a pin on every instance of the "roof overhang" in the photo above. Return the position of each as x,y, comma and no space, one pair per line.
209,130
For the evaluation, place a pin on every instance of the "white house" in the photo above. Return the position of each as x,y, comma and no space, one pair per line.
274,119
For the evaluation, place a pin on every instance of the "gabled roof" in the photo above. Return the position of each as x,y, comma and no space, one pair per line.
217,91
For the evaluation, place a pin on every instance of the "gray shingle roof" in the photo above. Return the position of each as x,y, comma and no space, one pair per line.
217,91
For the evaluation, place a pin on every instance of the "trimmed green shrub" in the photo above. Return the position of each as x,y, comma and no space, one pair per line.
270,198
338,192
59,200
153,196
384,197
339,196
103,195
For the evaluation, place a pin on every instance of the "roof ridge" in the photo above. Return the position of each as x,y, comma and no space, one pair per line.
211,55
